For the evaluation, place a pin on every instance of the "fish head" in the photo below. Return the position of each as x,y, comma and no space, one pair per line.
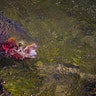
19,50
15,41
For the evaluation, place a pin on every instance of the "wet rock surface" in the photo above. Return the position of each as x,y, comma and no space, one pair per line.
66,79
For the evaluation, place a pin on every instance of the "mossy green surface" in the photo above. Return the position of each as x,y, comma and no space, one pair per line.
65,31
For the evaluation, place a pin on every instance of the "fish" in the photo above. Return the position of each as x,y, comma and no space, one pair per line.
15,41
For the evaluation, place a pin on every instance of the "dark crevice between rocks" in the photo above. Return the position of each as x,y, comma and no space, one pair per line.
89,87
3,91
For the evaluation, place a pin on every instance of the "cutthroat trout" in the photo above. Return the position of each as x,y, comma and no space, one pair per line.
12,38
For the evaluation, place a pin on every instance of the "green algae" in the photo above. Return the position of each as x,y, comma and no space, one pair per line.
20,82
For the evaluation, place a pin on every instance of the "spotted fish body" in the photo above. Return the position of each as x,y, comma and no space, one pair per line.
11,34
11,29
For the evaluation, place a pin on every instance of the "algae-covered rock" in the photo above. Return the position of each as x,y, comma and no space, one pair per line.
39,64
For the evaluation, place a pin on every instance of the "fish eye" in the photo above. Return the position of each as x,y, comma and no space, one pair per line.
21,43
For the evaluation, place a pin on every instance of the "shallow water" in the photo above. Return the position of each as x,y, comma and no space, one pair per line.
65,31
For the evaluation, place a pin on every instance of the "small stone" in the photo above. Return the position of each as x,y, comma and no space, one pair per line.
39,64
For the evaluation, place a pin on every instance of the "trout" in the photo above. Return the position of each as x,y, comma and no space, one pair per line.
12,38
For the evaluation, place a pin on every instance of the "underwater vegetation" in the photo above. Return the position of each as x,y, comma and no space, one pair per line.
65,32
